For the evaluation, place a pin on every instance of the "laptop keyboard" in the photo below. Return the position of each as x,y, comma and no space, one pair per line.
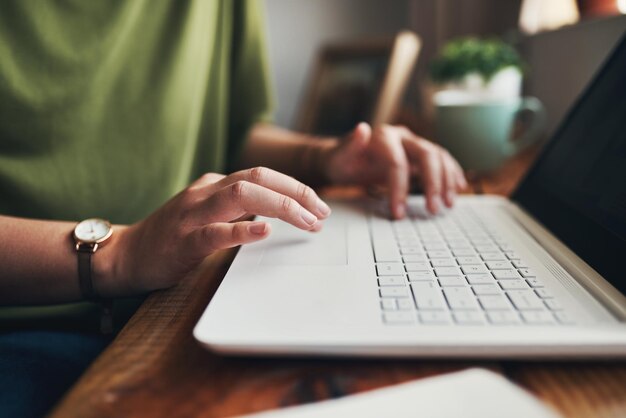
456,269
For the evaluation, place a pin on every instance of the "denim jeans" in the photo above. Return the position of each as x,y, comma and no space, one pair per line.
38,367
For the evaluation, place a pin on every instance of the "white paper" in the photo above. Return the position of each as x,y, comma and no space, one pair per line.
473,393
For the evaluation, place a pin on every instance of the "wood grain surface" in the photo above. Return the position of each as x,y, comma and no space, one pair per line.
154,368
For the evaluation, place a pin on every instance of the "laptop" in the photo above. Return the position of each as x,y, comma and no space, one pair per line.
540,275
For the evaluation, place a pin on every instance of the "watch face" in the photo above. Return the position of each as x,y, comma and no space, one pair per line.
92,230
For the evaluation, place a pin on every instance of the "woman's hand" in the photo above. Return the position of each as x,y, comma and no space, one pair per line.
388,156
157,252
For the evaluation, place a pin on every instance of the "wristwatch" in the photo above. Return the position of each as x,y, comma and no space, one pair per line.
89,236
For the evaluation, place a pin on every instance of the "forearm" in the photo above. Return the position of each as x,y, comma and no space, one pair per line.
298,155
38,263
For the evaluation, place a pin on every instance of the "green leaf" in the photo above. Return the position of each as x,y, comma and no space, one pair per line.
463,56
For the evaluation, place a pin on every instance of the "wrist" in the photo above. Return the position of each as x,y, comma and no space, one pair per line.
109,266
315,161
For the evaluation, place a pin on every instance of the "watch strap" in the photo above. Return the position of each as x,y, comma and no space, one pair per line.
84,252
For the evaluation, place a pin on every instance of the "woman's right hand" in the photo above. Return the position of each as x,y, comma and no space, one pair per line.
160,250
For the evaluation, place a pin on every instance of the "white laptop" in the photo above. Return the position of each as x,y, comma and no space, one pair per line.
540,275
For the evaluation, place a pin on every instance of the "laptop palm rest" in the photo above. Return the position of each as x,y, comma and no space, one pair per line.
289,246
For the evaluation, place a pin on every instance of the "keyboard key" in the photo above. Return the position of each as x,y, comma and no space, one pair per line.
428,296
503,317
480,240
405,304
487,289
460,298
464,261
438,254
538,318
391,281
511,255
564,318
421,276
422,266
469,318
553,304
452,281
519,264
388,304
463,252
493,257
399,317
486,248
496,265
443,262
386,251
527,273
411,250
435,246
508,274
494,302
525,300
544,293
384,245
513,284
480,278
394,292
434,317
534,282
389,269
474,269
447,271
459,244
412,258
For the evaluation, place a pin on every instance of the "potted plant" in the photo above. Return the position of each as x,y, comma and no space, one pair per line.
486,67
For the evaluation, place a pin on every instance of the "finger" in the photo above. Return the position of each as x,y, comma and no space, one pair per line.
461,181
242,197
398,172
206,179
221,235
359,138
427,157
448,178
282,184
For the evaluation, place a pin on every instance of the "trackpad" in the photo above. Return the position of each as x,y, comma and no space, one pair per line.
290,246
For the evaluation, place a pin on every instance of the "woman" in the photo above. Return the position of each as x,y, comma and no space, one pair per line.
110,110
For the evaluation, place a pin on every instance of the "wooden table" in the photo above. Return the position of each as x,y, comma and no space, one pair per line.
154,368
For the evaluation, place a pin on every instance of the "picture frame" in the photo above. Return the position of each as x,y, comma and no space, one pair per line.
358,81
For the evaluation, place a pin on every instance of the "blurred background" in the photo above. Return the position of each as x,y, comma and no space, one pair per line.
562,41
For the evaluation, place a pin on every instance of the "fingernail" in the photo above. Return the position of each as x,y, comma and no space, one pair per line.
308,217
401,211
435,205
323,208
450,196
257,228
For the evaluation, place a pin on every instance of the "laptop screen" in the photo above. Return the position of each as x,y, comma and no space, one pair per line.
577,187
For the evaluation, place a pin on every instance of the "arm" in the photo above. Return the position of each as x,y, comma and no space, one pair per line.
387,155
299,155
39,264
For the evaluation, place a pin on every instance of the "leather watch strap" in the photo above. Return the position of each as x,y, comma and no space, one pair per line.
84,272
85,281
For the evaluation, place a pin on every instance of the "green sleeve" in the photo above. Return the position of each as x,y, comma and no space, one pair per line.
250,89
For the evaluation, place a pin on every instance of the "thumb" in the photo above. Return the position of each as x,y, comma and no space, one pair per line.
359,138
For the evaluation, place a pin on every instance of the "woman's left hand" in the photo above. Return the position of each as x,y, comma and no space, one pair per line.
389,156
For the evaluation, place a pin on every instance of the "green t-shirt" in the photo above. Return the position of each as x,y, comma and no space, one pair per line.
108,108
